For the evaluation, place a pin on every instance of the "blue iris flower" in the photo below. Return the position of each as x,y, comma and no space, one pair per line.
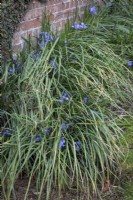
76,26
48,130
79,26
7,132
83,26
46,36
18,66
93,10
130,63
37,54
62,143
41,33
64,97
85,100
42,44
11,70
64,127
38,139
53,63
61,100
78,145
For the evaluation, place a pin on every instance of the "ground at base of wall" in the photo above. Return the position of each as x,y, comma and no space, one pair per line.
118,191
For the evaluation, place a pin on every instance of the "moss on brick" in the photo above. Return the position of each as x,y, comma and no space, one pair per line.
12,13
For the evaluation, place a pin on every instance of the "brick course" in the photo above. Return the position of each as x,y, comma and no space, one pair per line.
57,10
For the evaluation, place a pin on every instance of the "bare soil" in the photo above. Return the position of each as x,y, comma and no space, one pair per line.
114,193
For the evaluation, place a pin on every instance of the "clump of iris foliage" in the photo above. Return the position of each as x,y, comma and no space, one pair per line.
63,101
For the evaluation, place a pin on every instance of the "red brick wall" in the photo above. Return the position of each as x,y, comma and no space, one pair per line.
58,10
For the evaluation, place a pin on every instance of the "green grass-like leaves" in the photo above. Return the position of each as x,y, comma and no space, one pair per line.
91,64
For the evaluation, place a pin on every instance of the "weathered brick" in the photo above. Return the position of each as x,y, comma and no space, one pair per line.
36,4
73,4
16,48
16,39
38,12
59,11
31,14
58,16
30,24
51,17
55,8
51,2
83,8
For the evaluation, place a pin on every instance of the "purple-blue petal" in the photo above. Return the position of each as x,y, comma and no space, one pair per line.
38,139
6,132
42,33
85,100
130,63
37,54
93,10
53,63
19,66
48,130
79,26
65,96
11,70
78,145
64,127
61,100
62,143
